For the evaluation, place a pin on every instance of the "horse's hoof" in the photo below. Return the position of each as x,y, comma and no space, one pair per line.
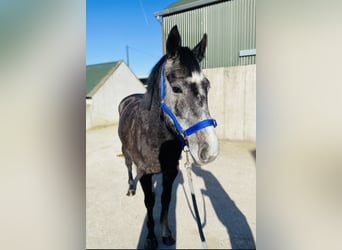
151,244
168,240
131,192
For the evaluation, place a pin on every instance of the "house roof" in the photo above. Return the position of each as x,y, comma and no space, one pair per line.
184,5
97,74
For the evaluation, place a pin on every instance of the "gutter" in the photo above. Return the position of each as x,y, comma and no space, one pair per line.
89,100
184,7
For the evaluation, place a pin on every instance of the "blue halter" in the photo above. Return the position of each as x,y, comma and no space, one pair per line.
192,129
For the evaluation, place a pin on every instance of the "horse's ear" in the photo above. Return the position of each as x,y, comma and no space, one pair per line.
173,42
199,49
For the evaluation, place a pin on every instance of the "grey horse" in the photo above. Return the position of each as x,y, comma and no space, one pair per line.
153,138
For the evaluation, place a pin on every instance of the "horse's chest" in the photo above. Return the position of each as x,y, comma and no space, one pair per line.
146,157
148,142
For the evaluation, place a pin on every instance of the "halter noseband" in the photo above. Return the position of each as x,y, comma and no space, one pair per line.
192,129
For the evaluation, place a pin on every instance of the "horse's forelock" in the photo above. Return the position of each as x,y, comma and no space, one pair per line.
185,59
188,60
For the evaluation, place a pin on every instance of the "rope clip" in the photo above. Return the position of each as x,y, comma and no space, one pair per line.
187,163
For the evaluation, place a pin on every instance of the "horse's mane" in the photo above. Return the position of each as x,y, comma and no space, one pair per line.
155,74
152,80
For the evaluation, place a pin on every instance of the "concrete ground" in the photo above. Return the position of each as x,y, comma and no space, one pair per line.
225,192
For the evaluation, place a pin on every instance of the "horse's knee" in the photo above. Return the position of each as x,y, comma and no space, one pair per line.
149,200
146,184
170,174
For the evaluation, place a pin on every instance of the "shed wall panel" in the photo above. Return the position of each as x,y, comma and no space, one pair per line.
230,26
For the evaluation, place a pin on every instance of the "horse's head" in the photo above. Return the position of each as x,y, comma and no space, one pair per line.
186,94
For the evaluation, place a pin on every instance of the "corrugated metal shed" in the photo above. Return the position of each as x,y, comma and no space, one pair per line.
230,26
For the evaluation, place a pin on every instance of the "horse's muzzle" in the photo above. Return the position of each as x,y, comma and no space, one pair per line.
204,146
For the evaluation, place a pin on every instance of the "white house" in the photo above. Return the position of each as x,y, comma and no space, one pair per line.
106,85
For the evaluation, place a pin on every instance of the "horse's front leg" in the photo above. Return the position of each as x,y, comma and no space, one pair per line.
168,179
146,184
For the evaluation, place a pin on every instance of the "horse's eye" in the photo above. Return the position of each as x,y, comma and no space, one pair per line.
177,89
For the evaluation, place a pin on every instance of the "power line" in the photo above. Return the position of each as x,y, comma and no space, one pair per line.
143,11
140,51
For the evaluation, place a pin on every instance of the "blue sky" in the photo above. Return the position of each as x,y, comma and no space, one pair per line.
112,25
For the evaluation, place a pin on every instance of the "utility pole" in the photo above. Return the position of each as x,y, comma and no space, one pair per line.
127,56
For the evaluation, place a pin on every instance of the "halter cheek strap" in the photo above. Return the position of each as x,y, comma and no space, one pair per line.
192,129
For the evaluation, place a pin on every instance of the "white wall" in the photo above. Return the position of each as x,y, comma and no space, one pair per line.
88,115
232,101
104,108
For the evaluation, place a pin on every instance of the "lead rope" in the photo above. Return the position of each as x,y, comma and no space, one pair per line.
187,166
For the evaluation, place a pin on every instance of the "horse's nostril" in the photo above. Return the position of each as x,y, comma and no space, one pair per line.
203,152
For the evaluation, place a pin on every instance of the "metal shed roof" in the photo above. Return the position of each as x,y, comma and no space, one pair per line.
183,6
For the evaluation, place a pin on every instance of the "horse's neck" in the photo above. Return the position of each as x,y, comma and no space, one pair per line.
157,116
155,112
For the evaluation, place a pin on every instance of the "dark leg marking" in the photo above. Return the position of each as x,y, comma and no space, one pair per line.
168,179
146,184
169,156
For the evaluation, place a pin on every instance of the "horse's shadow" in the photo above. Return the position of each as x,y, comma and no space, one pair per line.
157,183
227,212
238,230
